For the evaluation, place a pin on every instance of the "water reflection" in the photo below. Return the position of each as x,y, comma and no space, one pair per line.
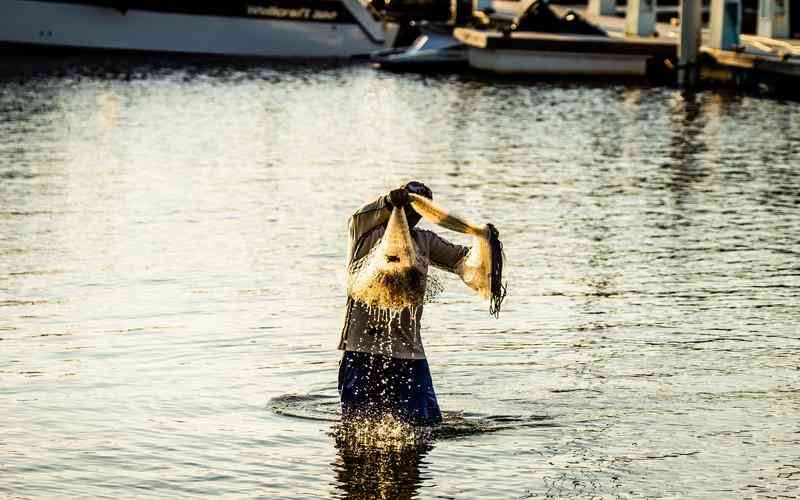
686,147
368,472
161,223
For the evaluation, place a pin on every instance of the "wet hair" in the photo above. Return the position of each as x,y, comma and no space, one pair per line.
419,188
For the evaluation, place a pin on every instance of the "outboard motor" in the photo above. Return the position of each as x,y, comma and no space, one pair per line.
540,17
575,23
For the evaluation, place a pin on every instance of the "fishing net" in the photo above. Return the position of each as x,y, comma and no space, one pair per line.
391,277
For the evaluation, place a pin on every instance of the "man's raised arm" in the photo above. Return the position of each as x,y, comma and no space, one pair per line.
364,220
372,215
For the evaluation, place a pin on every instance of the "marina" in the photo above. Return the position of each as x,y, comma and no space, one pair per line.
740,60
172,240
522,38
196,282
718,54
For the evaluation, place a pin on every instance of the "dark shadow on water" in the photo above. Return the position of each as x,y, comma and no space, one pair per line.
139,66
687,146
367,472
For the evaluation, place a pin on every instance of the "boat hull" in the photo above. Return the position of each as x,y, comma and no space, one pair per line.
564,54
546,63
58,25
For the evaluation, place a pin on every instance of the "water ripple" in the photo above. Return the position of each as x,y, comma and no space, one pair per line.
171,249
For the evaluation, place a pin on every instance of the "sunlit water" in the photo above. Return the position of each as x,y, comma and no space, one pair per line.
172,243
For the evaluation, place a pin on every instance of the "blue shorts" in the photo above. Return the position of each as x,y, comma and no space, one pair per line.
371,385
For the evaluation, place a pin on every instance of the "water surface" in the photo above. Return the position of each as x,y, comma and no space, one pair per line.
172,242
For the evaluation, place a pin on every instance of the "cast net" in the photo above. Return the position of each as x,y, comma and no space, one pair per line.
391,276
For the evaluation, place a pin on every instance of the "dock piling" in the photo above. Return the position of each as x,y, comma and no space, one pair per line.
689,44
602,7
461,11
640,17
725,24
773,18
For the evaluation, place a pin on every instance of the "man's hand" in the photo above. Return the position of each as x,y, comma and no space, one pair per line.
398,197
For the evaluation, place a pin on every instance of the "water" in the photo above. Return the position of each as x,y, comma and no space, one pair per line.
172,242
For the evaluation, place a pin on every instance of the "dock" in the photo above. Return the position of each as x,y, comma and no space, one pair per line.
748,60
756,56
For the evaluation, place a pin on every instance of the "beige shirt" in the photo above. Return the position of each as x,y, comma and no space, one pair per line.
401,337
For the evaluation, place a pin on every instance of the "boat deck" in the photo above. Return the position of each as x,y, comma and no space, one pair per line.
589,44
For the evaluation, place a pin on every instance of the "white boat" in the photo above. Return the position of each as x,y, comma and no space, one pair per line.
540,43
256,28
548,54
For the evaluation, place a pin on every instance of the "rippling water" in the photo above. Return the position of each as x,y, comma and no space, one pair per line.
172,241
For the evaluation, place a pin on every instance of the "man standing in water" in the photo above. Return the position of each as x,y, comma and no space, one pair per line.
384,369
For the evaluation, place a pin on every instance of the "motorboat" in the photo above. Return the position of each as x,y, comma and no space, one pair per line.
539,42
434,49
251,28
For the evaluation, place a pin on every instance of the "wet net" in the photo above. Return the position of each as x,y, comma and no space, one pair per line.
391,277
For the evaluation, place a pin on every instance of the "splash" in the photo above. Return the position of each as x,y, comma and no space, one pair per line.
391,277
385,432
388,432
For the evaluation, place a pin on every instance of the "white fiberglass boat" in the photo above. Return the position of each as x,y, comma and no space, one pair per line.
255,28
541,43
